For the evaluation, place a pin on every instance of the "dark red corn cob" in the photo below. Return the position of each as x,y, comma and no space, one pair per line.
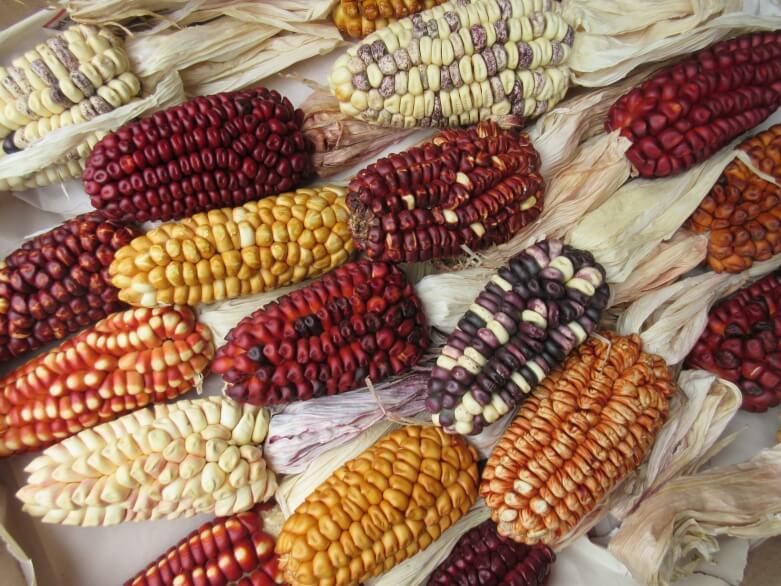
742,343
210,152
475,187
58,283
485,558
362,319
226,551
684,114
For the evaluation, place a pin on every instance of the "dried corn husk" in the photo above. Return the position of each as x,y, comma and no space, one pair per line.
16,567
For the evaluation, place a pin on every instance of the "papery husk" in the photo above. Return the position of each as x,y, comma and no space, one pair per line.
16,567
675,529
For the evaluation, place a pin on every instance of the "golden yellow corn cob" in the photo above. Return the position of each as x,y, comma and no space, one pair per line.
228,252
358,19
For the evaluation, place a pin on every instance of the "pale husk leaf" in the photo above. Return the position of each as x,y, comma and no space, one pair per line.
16,567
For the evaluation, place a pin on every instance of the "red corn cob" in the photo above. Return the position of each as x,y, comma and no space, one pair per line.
683,115
482,556
124,362
226,551
58,283
363,319
741,343
210,152
475,187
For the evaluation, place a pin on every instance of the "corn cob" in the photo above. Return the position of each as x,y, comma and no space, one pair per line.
177,460
211,152
458,63
682,115
743,210
360,18
484,557
57,283
361,320
228,550
586,426
741,343
125,362
474,188
229,252
531,315
379,509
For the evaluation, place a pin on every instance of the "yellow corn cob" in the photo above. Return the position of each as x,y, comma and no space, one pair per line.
176,460
228,252
379,509
358,19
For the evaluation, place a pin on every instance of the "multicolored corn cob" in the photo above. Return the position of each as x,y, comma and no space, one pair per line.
458,63
210,152
535,311
474,188
177,460
58,283
125,362
379,509
484,557
585,427
682,115
228,550
358,18
362,320
228,252
743,211
742,343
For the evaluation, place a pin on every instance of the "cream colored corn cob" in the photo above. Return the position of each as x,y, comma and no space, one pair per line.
175,460
458,63
228,252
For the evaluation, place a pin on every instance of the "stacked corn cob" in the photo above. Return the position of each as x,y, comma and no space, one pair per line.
743,210
359,18
58,282
363,319
458,63
228,252
684,114
379,509
210,152
125,362
742,343
531,315
585,427
180,459
232,550
474,188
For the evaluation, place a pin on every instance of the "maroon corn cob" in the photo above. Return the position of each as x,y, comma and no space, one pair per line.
742,343
475,187
484,557
684,114
210,152
228,550
58,282
363,319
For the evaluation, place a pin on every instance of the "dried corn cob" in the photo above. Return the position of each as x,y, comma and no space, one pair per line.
211,152
585,427
363,319
531,315
228,550
474,187
458,63
125,362
742,343
358,19
57,283
683,115
379,509
743,210
176,460
482,556
229,252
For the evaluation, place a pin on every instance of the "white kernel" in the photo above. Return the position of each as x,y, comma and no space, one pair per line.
529,203
520,382
478,229
533,317
435,419
474,355
445,362
577,329
490,414
469,403
564,266
504,284
464,427
535,368
499,404
450,216
581,285
481,312
499,331
468,364
409,200
461,414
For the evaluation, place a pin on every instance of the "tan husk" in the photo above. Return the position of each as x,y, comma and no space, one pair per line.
16,567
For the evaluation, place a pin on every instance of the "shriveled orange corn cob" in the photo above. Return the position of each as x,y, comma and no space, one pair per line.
583,429
124,362
379,509
358,19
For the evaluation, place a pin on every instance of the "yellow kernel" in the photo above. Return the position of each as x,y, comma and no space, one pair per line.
203,271
322,234
279,251
251,256
294,229
279,231
173,272
263,235
313,220
281,213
